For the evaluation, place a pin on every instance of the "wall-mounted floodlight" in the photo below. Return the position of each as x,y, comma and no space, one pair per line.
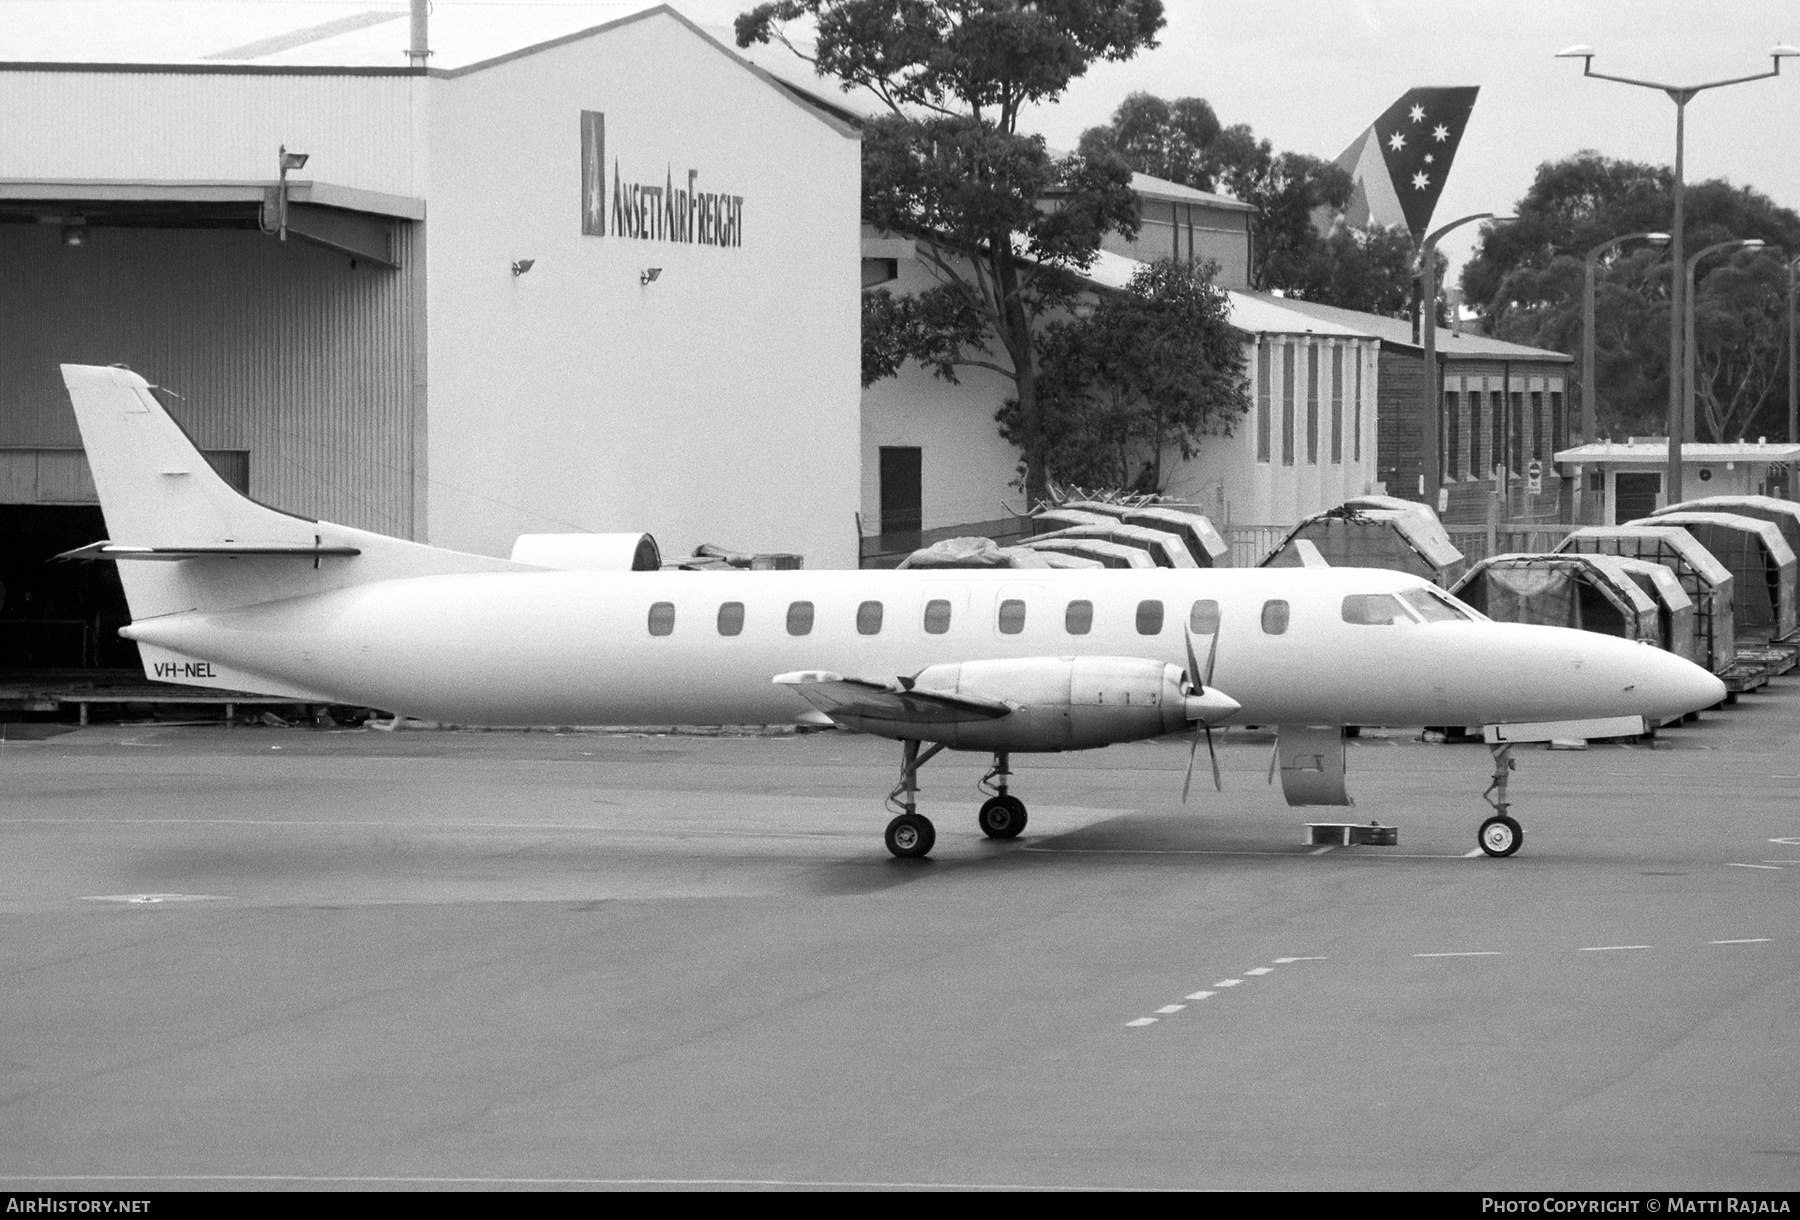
74,231
1578,51
289,161
1784,50
650,276
521,266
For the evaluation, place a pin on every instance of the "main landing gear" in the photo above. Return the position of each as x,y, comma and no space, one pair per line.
911,835
1500,835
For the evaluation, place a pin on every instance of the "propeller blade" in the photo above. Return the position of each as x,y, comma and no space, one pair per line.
1274,759
1211,753
1193,669
1212,654
1189,780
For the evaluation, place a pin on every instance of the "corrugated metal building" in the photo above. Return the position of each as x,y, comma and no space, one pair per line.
461,339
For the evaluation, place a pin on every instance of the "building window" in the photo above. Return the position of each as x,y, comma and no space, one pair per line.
1517,447
1497,430
1559,436
1012,616
1274,617
1078,619
1262,401
662,618
731,618
868,618
1537,425
1203,619
1337,405
1149,617
800,618
1476,469
937,616
902,489
1312,404
1287,404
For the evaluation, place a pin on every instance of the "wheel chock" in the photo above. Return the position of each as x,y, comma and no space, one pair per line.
1351,834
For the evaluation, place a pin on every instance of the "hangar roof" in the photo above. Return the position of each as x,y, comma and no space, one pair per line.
1398,332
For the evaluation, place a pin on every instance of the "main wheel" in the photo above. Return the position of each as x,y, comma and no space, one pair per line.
910,836
1002,817
1500,836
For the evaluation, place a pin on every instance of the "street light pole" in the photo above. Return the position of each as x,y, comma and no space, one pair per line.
1589,390
1689,355
1681,95
1434,386
1793,364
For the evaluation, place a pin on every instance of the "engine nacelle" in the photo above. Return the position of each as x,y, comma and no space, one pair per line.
1060,703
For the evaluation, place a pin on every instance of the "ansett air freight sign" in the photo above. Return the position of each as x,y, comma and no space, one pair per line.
649,211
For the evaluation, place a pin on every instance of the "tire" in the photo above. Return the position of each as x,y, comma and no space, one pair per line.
910,836
1500,836
1002,817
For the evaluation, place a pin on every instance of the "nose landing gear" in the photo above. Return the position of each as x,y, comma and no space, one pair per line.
1500,835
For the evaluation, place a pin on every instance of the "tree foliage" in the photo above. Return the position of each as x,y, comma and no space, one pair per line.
1526,280
1147,374
948,167
1183,141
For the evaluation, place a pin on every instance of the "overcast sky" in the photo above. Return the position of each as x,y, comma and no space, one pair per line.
1310,75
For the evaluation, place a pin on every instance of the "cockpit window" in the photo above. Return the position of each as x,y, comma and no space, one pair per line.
1376,610
1433,606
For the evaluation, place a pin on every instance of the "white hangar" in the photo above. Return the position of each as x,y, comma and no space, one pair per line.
546,268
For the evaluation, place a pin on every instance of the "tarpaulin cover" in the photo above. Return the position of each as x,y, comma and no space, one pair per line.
972,553
1761,563
1784,513
1675,609
1099,508
1111,554
1398,539
1049,520
1165,549
1204,543
1703,577
1580,591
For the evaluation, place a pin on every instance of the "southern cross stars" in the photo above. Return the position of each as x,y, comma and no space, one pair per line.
1440,133
1420,182
1396,141
1418,114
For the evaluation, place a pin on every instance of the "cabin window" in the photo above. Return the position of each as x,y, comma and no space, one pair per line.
731,618
1203,619
1012,616
1274,617
1078,619
1149,618
1375,610
1432,606
868,618
937,616
662,618
799,618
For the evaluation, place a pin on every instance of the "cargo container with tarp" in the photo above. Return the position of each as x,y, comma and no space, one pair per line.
1049,520
1586,592
1784,513
974,553
1110,554
1166,550
1397,539
1761,564
1204,543
1674,608
1703,577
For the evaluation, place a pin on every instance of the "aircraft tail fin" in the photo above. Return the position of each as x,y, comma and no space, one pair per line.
218,549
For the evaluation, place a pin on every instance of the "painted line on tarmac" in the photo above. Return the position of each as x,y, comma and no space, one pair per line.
1319,851
1610,948
1773,868
1223,984
1377,854
1468,953
1754,940
1470,855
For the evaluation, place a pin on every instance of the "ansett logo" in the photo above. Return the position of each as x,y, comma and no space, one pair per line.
648,211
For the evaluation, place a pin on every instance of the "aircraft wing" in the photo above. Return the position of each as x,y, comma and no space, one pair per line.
841,698
118,550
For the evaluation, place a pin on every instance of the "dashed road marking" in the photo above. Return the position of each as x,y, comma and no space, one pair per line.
152,899
1166,1009
1260,970
1201,995
1319,851
1791,840
1754,940
1141,1021
1254,972
1467,953
1283,961
1610,948
1773,868
1228,982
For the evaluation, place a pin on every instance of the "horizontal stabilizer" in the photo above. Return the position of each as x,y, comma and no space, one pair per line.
856,699
116,550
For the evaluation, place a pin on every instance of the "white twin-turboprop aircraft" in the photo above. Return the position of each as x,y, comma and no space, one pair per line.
225,592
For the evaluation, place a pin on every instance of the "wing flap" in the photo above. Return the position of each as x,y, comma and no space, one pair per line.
861,699
169,554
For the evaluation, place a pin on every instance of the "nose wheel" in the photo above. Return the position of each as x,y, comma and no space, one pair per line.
1500,835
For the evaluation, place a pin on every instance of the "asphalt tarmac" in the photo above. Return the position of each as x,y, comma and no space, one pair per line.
295,958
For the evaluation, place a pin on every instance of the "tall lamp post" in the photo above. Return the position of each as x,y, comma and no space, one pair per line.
1793,360
1589,391
1434,386
1689,354
1681,95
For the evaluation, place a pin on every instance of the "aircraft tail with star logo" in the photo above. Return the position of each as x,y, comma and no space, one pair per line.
1400,163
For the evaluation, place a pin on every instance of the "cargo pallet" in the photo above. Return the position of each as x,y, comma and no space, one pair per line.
1742,676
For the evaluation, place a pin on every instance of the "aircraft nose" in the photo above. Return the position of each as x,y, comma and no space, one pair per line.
1675,687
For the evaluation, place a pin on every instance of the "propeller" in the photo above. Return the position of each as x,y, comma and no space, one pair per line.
1204,703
